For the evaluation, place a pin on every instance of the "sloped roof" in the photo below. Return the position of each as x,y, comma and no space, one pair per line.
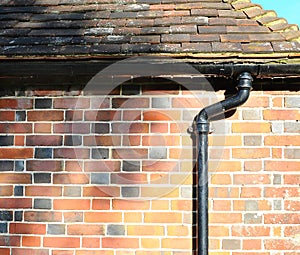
120,28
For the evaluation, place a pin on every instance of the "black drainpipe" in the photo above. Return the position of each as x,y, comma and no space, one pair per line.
202,122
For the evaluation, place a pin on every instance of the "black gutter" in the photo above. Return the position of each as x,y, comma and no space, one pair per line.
202,120
38,72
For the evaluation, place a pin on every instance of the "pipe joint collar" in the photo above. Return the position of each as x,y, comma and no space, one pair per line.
203,126
245,81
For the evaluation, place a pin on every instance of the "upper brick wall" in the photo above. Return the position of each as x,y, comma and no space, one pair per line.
193,28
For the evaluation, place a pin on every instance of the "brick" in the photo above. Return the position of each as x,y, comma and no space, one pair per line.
130,103
252,218
100,128
114,242
90,243
20,115
130,153
281,192
282,166
72,153
102,115
42,127
129,178
9,241
56,229
160,166
225,218
3,228
71,103
231,244
75,115
158,217
71,128
250,153
102,140
45,115
15,178
142,230
250,231
42,204
220,205
6,190
115,230
28,251
250,192
44,165
23,103
16,153
279,245
127,204
43,153
222,192
24,228
130,191
100,204
43,103
282,140
85,229
5,251
62,242
292,102
70,179
291,127
292,179
102,166
252,140
281,114
103,191
44,140
15,128
251,127
6,216
42,216
6,166
292,205
251,179
18,191
103,217
31,241
43,191
7,115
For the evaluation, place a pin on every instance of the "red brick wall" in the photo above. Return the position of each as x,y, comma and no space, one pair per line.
88,174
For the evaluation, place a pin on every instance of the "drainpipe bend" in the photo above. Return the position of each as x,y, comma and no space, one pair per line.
244,87
202,121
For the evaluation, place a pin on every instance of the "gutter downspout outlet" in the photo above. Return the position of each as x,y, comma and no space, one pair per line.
202,122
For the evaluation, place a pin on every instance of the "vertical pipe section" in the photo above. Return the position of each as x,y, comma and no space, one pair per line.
202,121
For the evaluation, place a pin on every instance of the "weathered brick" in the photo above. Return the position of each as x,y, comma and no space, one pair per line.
115,230
56,229
231,244
42,204
43,152
43,103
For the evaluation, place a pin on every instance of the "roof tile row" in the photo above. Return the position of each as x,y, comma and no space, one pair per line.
126,27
